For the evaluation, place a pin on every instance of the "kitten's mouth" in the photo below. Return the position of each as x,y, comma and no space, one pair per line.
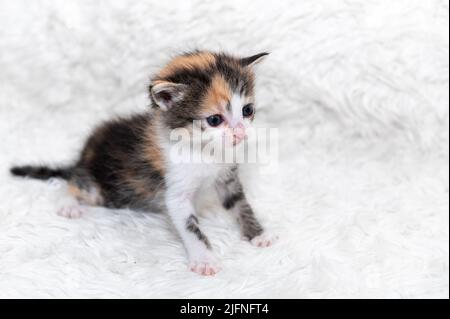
237,141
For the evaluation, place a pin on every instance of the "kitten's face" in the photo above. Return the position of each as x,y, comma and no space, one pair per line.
214,90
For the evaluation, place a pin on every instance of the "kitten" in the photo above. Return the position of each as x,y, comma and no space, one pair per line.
126,162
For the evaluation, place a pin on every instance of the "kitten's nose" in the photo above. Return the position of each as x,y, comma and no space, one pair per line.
239,133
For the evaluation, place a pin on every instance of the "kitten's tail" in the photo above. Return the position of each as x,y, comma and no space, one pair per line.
41,172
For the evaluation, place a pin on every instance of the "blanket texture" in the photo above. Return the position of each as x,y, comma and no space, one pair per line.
358,89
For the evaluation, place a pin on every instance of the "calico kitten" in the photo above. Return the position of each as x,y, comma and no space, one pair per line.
126,162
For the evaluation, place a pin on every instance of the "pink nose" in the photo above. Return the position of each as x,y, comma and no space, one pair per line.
239,133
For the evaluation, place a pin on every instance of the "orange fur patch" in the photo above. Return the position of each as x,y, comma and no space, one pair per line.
219,93
152,151
90,198
160,82
75,191
200,60
138,185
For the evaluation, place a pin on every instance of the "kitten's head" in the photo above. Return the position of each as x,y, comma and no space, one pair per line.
216,90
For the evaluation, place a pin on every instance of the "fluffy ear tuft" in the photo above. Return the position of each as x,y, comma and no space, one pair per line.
166,94
254,59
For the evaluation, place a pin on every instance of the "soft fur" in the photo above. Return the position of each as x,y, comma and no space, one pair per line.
358,89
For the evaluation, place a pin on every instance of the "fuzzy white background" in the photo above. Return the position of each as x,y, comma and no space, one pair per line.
358,89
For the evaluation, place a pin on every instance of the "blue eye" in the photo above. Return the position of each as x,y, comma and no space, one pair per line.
214,120
248,110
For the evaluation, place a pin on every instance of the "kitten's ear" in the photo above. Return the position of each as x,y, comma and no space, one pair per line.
254,59
166,94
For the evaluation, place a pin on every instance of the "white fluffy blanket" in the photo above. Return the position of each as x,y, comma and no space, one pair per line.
358,89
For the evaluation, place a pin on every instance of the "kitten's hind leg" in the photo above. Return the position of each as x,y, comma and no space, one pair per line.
83,193
86,195
72,210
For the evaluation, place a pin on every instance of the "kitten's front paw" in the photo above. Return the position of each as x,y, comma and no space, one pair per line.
71,212
206,265
264,240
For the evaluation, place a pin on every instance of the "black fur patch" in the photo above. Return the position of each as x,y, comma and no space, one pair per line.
192,226
249,60
231,200
41,172
249,224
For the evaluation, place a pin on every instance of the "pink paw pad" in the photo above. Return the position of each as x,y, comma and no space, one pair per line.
204,268
264,240
71,212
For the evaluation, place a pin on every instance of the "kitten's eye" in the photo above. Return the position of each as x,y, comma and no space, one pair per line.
214,120
248,110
